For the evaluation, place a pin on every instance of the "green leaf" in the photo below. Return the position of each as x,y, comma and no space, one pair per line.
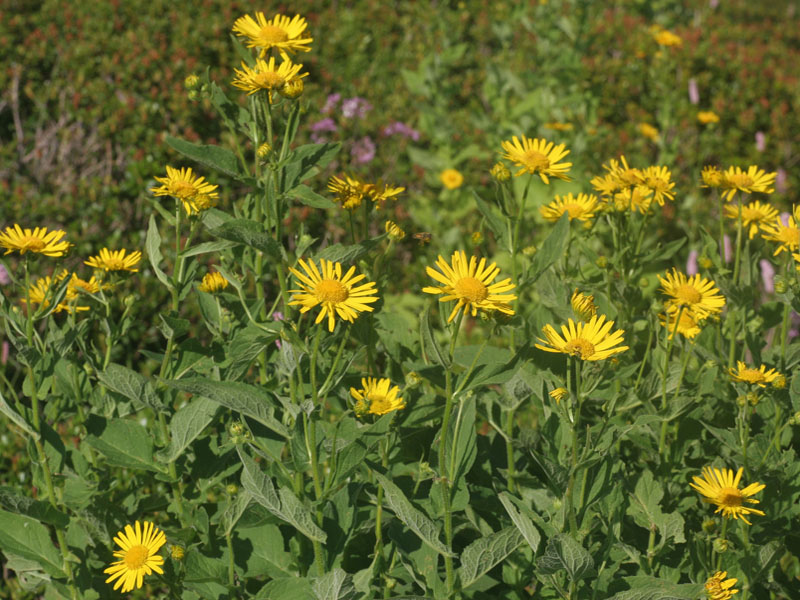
484,553
352,456
552,248
413,518
283,504
334,585
306,160
173,326
644,587
234,511
521,521
205,575
431,345
124,443
219,159
206,247
644,506
17,419
186,425
130,384
565,554
347,254
250,234
309,197
287,588
495,221
250,400
30,539
465,444
153,246
246,345
37,509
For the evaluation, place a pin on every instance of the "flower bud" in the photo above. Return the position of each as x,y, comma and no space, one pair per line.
779,382
705,262
780,285
721,545
193,95
601,262
191,82
413,379
741,401
232,489
263,150
477,238
394,231
176,552
292,89
753,398
529,251
236,429
709,526
644,282
500,172
558,394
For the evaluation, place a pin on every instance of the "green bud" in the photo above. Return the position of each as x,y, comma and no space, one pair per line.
601,262
232,489
709,526
721,545
191,82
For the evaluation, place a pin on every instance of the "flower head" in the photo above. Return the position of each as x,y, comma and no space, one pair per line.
266,76
213,282
587,341
787,236
583,305
688,325
193,191
712,177
707,116
582,208
337,294
115,260
659,181
41,292
451,178
379,192
558,394
754,214
666,38
37,240
470,284
752,180
376,398
697,294
394,231
719,588
635,199
537,156
348,190
281,33
500,172
138,556
648,131
721,487
760,376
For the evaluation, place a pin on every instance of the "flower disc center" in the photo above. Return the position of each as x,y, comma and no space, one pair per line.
33,243
740,180
687,294
330,290
751,375
270,34
269,80
535,160
135,557
471,289
575,210
730,497
183,189
583,348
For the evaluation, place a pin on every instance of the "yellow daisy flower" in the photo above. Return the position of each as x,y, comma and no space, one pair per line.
625,174
77,285
266,76
336,293
213,282
376,398
348,190
380,192
394,231
451,178
752,180
667,39
587,341
635,199
688,325
606,185
719,588
721,487
707,116
712,177
698,294
648,131
558,394
37,240
281,33
193,191
582,208
583,305
754,214
138,556
760,376
787,236
115,260
537,156
469,283
40,289
659,181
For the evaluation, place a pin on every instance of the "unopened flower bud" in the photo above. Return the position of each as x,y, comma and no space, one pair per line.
193,95
779,382
780,285
753,398
721,545
292,89
477,238
644,282
176,552
236,429
529,251
601,262
191,82
741,401
413,379
500,172
394,231
263,150
709,526
232,489
129,301
705,262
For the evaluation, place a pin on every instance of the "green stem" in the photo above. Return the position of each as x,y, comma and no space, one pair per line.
737,260
569,504
231,572
510,449
310,427
665,372
514,247
718,565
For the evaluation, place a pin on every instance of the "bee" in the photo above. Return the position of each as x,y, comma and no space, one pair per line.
423,237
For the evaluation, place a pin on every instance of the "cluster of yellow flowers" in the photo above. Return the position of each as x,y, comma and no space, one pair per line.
350,191
625,188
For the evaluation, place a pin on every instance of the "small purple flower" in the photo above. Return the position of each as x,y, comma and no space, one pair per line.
781,182
767,275
326,124
691,263
713,3
761,141
785,218
4,353
330,103
728,246
363,150
277,316
355,107
400,128
5,278
694,93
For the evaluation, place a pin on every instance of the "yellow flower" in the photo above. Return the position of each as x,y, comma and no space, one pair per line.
754,215
379,192
36,240
292,89
587,341
348,190
558,394
721,487
176,552
648,131
688,325
213,282
667,38
138,556
637,198
394,231
451,178
760,376
266,76
707,116
787,236
337,294
77,285
281,32
376,398
193,191
40,289
583,305
606,185
719,588
500,172
558,126
659,181
752,180
469,283
537,156
697,294
582,208
115,260
712,177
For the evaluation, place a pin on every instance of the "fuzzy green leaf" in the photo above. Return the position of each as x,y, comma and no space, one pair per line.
215,157
644,507
644,587
30,539
130,384
17,419
521,521
552,248
484,553
334,585
153,247
431,345
124,443
347,254
186,425
309,197
249,233
565,554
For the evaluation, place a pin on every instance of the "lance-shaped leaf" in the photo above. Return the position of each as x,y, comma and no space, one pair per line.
16,418
123,442
219,159
521,521
484,553
564,553
186,425
130,384
552,248
153,246
250,234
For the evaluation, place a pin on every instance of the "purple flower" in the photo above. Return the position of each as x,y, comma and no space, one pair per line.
761,141
728,246
4,353
694,93
767,275
785,218
400,128
5,278
330,103
781,181
363,150
355,107
326,124
691,263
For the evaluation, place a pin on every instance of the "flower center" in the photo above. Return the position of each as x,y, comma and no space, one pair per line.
687,294
114,264
657,185
740,180
583,348
269,80
32,243
377,403
790,236
751,375
330,290
183,189
270,35
535,160
471,289
730,497
574,210
135,557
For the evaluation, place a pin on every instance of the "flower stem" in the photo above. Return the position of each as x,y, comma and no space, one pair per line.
310,430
